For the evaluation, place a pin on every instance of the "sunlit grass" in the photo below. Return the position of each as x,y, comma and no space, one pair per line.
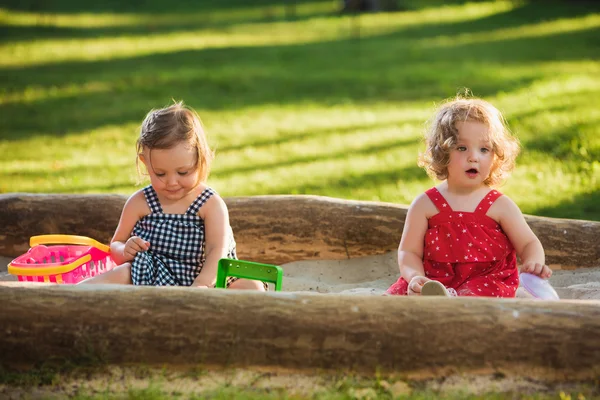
308,106
107,20
565,25
50,51
35,93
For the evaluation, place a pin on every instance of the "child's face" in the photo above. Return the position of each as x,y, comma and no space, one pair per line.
472,158
173,172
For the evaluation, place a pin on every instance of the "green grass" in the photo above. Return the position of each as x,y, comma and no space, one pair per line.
138,382
155,393
310,103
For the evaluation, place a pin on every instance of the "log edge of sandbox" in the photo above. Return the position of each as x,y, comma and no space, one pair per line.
366,334
276,229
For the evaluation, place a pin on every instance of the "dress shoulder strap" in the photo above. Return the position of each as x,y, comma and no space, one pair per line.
200,200
438,200
152,199
487,202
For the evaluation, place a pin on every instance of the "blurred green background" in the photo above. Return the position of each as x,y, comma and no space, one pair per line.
297,97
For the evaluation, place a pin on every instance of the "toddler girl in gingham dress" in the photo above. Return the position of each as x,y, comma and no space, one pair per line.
462,236
173,232
177,252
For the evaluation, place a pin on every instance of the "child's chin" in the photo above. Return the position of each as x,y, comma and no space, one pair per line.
173,195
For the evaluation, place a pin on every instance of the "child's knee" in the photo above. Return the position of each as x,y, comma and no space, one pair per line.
248,284
120,274
123,273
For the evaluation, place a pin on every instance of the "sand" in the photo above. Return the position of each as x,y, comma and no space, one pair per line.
374,274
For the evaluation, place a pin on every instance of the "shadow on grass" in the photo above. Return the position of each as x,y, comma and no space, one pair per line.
371,180
581,101
567,142
295,160
574,138
217,173
367,180
97,186
328,187
147,27
193,17
291,136
587,204
134,6
162,7
156,16
377,69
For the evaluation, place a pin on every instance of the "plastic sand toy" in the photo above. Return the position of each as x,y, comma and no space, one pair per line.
537,287
75,259
248,270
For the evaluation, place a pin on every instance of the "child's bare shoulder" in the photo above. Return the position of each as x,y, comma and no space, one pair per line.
423,204
504,201
136,203
137,198
214,204
502,207
217,199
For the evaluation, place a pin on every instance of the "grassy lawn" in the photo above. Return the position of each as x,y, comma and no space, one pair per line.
310,103
247,384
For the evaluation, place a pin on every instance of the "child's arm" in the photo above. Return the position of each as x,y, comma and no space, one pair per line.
528,246
410,250
123,246
216,225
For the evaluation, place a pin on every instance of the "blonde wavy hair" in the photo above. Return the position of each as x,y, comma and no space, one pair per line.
169,126
442,135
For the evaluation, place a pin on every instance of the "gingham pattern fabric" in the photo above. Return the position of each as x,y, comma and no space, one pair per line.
176,253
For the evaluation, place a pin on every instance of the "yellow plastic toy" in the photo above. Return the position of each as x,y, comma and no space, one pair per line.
77,258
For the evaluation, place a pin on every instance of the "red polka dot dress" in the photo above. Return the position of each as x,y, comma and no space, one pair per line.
466,251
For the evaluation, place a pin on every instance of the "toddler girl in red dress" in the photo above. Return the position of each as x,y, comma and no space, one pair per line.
462,236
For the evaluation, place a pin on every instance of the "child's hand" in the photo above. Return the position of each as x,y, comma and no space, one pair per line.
541,270
134,245
415,285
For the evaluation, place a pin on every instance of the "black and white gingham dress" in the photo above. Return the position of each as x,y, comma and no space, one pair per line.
176,253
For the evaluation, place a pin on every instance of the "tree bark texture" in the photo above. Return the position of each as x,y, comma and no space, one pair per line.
368,334
276,229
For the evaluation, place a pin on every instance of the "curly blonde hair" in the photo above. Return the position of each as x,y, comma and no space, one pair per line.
169,126
442,135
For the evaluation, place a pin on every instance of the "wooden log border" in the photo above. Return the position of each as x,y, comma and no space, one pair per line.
418,337
276,229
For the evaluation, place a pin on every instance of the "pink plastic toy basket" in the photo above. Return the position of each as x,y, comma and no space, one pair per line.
77,258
